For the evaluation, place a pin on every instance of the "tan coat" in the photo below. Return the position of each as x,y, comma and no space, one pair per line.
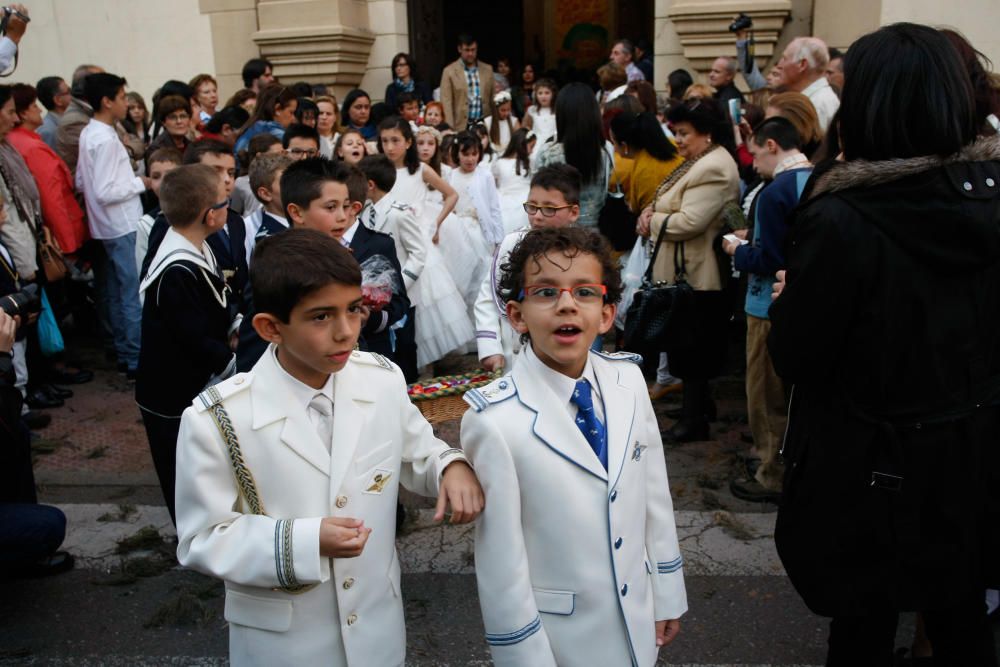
455,93
694,206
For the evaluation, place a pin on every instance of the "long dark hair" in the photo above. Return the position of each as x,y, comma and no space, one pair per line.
518,149
267,101
411,159
642,131
906,94
578,127
352,97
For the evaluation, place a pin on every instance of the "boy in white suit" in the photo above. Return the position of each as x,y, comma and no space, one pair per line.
577,559
287,476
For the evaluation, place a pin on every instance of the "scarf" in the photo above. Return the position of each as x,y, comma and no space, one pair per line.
20,183
405,87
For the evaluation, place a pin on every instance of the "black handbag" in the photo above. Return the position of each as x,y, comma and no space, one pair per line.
616,222
661,315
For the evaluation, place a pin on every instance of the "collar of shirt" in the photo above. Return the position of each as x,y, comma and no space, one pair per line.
816,86
300,392
563,386
797,161
382,207
472,68
277,218
348,236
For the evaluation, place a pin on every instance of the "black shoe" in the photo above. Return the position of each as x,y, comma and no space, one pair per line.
39,400
68,376
57,563
750,465
684,431
57,392
36,420
752,490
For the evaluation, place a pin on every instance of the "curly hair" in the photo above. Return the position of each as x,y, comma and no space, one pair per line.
571,242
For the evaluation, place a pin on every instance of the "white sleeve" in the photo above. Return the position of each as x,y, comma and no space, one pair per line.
8,49
216,539
514,628
489,320
413,240
113,183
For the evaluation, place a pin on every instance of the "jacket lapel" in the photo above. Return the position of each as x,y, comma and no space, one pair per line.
352,402
297,431
552,425
619,413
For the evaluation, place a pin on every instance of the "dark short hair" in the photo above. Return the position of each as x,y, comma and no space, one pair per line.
409,61
166,154
290,266
234,116
833,53
465,141
302,88
194,151
379,169
24,96
406,98
254,69
906,94
706,117
99,85
47,88
466,38
187,192
298,130
572,242
562,177
780,131
302,182
171,103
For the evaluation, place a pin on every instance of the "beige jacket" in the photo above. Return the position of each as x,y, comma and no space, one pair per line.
692,210
455,95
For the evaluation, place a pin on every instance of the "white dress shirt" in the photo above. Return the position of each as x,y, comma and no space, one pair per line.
563,386
109,186
303,394
823,99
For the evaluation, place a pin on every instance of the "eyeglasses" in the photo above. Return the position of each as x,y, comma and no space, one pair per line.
177,117
549,295
299,152
222,204
547,211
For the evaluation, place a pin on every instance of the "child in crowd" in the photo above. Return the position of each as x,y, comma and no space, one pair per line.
447,143
512,173
408,107
577,559
303,532
350,147
552,201
502,124
540,117
428,142
160,162
186,314
470,244
265,179
300,141
243,201
434,116
442,324
487,154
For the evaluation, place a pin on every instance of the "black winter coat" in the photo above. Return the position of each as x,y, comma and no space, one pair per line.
889,329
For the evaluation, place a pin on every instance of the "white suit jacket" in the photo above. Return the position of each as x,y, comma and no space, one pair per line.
354,615
574,563
400,222
494,335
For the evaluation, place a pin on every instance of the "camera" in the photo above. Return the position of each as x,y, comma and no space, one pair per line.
742,22
25,302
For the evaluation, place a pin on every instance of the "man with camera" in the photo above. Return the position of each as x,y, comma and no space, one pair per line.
13,22
742,28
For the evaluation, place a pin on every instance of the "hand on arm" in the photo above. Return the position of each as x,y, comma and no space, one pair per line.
642,224
341,537
460,489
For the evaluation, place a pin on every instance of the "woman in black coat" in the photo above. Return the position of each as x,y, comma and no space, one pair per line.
404,77
888,328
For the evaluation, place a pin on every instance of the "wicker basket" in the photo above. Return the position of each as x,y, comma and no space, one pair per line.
448,404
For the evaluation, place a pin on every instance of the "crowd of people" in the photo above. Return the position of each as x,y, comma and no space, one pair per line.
867,284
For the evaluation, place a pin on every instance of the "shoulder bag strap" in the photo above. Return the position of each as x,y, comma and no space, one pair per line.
648,278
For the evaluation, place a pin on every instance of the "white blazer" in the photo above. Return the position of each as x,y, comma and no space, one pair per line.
400,222
354,614
574,563
494,335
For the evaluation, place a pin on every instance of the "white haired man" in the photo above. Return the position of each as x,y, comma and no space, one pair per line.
803,68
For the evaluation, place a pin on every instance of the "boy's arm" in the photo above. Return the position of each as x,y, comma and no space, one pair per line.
412,238
216,539
513,626
669,593
112,184
766,257
488,322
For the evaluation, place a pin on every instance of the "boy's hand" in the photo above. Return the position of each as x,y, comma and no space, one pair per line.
667,631
340,537
493,362
461,489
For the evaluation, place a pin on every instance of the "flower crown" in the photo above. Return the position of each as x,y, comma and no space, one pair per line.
502,97
431,130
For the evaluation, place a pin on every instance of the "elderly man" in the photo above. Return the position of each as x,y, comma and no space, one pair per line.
803,69
623,53
467,86
721,77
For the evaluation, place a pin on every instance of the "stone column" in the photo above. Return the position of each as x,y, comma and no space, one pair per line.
233,22
319,41
388,21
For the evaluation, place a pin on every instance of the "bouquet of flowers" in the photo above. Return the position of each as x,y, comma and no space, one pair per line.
379,281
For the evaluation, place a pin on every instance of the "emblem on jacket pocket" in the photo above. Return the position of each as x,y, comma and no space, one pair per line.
376,484
637,452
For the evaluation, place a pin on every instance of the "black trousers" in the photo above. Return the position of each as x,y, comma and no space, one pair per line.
960,637
162,435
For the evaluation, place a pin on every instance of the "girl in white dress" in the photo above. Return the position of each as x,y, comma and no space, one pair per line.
478,211
502,124
485,147
513,178
442,321
540,117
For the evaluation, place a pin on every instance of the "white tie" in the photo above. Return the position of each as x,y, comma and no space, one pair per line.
321,416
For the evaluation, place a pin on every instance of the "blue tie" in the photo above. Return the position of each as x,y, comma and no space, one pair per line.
591,427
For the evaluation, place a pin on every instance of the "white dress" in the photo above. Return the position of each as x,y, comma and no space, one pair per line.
462,241
442,321
513,189
543,125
